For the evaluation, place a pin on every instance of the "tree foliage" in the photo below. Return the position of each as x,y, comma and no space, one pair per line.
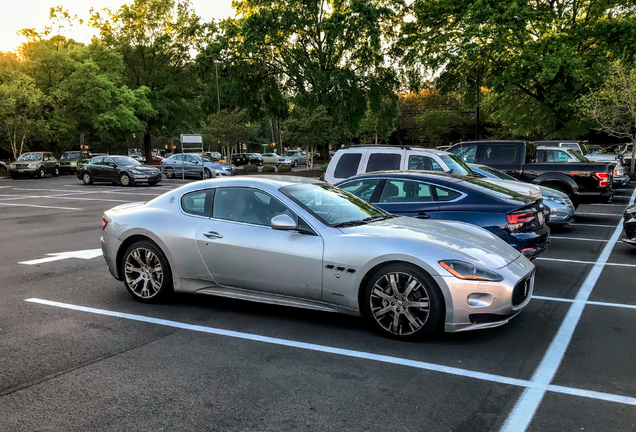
309,128
229,128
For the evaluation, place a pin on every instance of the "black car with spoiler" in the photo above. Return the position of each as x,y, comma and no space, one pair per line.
582,182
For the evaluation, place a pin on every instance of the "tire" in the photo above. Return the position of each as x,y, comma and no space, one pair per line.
14,176
146,272
295,164
207,174
152,183
395,314
169,172
41,173
124,180
87,179
56,172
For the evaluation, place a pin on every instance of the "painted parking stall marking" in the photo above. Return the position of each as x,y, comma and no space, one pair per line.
82,254
525,409
349,353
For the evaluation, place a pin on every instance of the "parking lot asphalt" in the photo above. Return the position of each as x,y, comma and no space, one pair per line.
81,354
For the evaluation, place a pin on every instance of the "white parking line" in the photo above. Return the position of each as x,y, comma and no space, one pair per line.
19,197
593,225
39,206
349,353
611,205
527,405
576,238
589,302
584,262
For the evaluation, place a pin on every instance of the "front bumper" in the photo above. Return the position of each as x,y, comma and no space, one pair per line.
284,162
621,181
146,178
629,225
476,305
23,171
560,214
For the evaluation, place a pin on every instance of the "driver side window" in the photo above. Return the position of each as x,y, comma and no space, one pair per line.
248,205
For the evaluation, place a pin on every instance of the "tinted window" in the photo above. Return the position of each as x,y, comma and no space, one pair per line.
249,206
362,189
96,161
384,162
446,194
500,154
194,203
405,191
106,161
347,165
417,162
466,153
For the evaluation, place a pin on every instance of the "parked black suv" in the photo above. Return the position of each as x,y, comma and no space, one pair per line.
582,182
246,158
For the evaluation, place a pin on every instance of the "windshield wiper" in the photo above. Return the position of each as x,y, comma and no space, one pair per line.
350,223
378,218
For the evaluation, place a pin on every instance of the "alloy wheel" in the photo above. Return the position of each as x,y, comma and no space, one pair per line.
144,273
400,303
124,180
206,174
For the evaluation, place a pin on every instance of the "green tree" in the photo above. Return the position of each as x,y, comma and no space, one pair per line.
612,107
230,128
329,53
154,38
308,129
551,51
21,107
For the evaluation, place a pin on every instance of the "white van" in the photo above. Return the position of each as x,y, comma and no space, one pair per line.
359,159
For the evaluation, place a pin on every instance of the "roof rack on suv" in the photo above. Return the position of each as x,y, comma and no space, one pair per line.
401,147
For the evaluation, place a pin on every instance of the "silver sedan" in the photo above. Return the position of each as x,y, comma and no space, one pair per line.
311,245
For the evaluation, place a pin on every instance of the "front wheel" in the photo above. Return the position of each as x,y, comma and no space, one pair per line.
152,183
169,173
403,302
147,274
56,172
207,174
41,173
295,164
86,178
124,179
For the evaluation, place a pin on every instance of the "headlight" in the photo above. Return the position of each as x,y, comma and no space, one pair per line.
464,270
33,165
12,166
134,171
74,164
555,199
630,210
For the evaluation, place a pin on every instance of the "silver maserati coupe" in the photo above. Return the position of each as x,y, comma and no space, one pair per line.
299,242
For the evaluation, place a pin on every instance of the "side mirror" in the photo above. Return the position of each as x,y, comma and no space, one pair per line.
283,223
113,164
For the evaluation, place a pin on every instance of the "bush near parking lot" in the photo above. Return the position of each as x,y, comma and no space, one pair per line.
250,168
268,169
324,167
284,168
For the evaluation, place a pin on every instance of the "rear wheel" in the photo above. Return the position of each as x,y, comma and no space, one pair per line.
403,302
146,272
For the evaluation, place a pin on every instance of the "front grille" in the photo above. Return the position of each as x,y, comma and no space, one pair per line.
522,290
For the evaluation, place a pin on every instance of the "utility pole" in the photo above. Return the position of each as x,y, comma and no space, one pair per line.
216,69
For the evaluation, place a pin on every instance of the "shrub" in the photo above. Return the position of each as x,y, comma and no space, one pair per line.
284,168
250,168
268,169
324,167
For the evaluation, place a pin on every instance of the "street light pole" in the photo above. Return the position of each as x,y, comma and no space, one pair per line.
218,96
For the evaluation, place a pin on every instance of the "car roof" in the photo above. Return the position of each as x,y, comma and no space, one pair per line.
415,175
379,146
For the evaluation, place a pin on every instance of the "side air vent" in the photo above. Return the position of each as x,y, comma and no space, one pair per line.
350,271
329,267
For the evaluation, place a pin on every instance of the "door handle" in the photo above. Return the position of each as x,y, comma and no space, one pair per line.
423,215
212,235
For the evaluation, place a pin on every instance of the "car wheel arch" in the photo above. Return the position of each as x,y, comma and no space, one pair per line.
137,237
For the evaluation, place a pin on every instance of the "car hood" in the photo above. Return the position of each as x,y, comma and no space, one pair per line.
468,242
546,191
516,186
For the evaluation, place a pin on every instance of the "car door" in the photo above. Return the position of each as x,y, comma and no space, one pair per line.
108,170
192,166
241,250
408,198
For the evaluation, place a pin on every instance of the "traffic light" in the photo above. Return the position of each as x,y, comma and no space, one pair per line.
272,145
134,136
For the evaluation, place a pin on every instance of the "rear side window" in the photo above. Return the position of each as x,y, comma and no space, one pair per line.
197,203
384,162
500,154
417,162
347,165
396,191
446,194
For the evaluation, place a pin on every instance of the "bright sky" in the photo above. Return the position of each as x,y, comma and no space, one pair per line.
19,14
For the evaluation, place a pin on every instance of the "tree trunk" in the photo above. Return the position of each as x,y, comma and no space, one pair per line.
148,148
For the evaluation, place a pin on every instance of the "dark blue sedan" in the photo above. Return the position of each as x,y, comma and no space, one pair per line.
517,219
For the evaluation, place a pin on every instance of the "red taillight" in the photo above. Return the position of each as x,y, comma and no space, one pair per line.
104,223
518,218
603,179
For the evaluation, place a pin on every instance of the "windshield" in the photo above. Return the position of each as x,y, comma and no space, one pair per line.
125,161
70,155
579,156
30,157
456,164
290,153
333,206
209,158
498,174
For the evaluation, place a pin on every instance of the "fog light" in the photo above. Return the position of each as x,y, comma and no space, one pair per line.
479,300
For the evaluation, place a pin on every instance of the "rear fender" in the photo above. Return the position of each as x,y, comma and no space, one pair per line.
563,179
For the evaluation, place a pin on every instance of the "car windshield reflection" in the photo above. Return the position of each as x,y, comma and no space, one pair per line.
125,161
30,157
333,206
